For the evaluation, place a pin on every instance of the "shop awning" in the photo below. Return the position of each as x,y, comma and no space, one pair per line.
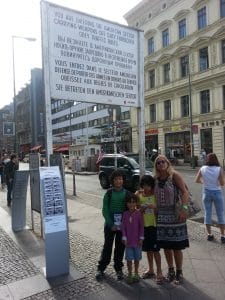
35,148
63,148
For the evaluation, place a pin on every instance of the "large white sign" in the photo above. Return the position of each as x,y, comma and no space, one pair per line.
91,59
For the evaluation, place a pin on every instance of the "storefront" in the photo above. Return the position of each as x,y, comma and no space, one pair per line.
151,140
206,140
177,145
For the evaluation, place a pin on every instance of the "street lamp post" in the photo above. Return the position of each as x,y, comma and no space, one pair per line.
191,118
29,39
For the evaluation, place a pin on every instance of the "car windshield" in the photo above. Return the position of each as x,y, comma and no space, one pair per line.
133,162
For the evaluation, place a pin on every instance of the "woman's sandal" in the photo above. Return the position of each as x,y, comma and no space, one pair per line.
159,280
148,275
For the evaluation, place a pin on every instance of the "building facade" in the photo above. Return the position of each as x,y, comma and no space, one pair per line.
73,122
184,59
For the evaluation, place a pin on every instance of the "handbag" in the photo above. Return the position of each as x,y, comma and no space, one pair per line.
193,207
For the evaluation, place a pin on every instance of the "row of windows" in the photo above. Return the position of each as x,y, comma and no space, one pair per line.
185,106
91,123
184,65
182,28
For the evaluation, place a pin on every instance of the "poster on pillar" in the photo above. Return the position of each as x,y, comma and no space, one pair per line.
53,202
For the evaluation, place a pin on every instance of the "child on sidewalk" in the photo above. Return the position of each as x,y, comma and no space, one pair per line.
132,236
113,208
147,204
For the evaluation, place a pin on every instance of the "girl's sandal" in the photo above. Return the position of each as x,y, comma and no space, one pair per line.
159,280
148,275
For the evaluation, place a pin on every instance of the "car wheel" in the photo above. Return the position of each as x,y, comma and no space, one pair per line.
136,184
104,181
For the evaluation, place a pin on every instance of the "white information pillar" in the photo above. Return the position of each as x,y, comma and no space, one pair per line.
54,216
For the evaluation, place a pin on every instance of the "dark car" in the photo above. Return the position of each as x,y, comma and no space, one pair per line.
128,165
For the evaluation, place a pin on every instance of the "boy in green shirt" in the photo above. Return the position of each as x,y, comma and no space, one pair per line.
113,208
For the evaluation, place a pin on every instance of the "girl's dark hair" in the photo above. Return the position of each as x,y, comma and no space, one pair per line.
212,160
147,180
130,196
116,173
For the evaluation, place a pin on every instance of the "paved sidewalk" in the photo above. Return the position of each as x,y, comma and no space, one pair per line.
22,261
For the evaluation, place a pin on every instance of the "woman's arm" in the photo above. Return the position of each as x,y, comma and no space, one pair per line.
221,177
198,178
182,186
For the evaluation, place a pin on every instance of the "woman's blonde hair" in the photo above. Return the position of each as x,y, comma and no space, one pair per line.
170,169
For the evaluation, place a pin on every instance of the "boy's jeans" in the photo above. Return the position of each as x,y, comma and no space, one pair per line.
107,250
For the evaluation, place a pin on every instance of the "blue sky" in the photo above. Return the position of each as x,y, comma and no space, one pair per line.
22,18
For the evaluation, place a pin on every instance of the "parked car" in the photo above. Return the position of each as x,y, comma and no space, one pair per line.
128,165
149,164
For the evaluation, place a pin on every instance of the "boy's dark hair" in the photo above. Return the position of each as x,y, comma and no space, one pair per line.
116,173
147,180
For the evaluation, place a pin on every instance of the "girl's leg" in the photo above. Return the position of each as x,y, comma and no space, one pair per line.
157,258
159,277
136,267
129,267
150,262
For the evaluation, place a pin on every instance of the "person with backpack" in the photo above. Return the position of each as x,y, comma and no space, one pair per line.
114,205
10,168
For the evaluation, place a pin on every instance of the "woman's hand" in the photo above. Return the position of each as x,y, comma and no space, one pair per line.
183,215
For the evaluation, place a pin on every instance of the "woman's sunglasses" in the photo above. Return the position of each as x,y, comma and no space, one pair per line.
159,162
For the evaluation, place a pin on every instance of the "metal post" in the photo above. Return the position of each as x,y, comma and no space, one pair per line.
14,97
114,134
74,185
191,120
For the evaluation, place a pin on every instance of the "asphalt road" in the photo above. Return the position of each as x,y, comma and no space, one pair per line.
88,187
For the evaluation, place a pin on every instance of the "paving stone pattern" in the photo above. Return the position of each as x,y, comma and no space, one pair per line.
14,264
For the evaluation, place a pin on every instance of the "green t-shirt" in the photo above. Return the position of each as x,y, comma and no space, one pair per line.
116,205
149,215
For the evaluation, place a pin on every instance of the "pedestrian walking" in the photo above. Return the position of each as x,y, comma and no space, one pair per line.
171,223
132,237
212,177
10,168
5,159
113,208
147,204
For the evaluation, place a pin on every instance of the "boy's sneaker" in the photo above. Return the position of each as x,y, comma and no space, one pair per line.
136,278
210,237
223,239
99,275
120,275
